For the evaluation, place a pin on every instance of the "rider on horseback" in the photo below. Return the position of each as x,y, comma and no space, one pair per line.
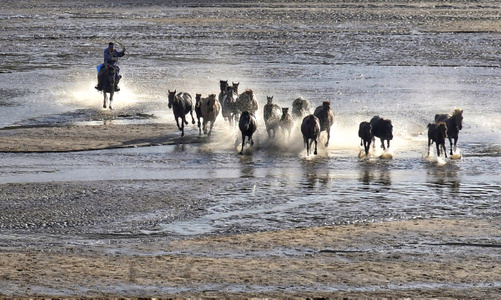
110,61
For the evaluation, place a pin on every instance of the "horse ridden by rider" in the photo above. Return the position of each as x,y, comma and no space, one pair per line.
108,75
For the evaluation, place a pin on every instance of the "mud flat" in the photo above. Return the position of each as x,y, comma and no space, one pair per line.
445,259
91,137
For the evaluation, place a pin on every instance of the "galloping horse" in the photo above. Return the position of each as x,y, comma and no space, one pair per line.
181,105
209,108
300,108
109,80
286,123
454,123
326,118
228,105
248,126
247,101
383,129
271,114
365,134
437,133
310,128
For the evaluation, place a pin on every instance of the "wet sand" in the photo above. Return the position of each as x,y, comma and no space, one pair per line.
445,259
414,258
92,137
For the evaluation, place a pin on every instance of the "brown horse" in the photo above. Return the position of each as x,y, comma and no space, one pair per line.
454,124
247,101
271,114
365,134
286,123
209,108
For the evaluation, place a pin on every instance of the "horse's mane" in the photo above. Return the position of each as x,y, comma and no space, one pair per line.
457,111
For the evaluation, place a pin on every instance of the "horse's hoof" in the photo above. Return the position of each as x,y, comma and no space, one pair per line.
315,153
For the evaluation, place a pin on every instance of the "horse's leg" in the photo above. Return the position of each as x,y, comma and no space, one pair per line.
429,145
205,126
388,142
438,149
243,143
211,125
455,144
105,99
177,122
367,145
316,143
182,125
199,126
450,141
328,137
445,150
305,140
111,99
382,144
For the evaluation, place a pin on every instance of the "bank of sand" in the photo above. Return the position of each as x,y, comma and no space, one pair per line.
414,258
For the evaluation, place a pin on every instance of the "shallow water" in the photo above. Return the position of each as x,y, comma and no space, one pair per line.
399,70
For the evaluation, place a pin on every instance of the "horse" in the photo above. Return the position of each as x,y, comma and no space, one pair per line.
437,133
235,86
210,108
454,123
248,126
310,128
198,111
181,104
383,129
223,84
247,101
109,79
271,114
286,122
326,118
300,108
228,105
365,134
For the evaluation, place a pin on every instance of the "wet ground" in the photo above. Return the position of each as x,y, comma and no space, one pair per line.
402,60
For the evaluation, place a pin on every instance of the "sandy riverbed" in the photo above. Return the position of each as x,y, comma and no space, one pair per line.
415,258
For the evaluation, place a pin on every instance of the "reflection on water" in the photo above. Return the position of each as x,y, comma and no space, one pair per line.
375,173
443,176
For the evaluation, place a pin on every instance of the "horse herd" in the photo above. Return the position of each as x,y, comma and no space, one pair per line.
241,108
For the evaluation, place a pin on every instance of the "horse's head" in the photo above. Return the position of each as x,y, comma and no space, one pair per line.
285,111
212,102
222,85
442,130
235,87
457,115
172,95
198,98
326,105
269,99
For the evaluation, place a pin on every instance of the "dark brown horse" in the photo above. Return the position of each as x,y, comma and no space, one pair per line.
383,129
454,123
181,104
107,82
365,134
326,118
437,133
310,128
248,126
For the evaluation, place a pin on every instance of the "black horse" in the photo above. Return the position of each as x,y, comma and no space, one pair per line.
326,118
181,104
383,129
454,123
310,128
107,83
365,134
437,133
248,126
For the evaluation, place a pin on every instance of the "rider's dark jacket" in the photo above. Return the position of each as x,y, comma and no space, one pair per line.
110,58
